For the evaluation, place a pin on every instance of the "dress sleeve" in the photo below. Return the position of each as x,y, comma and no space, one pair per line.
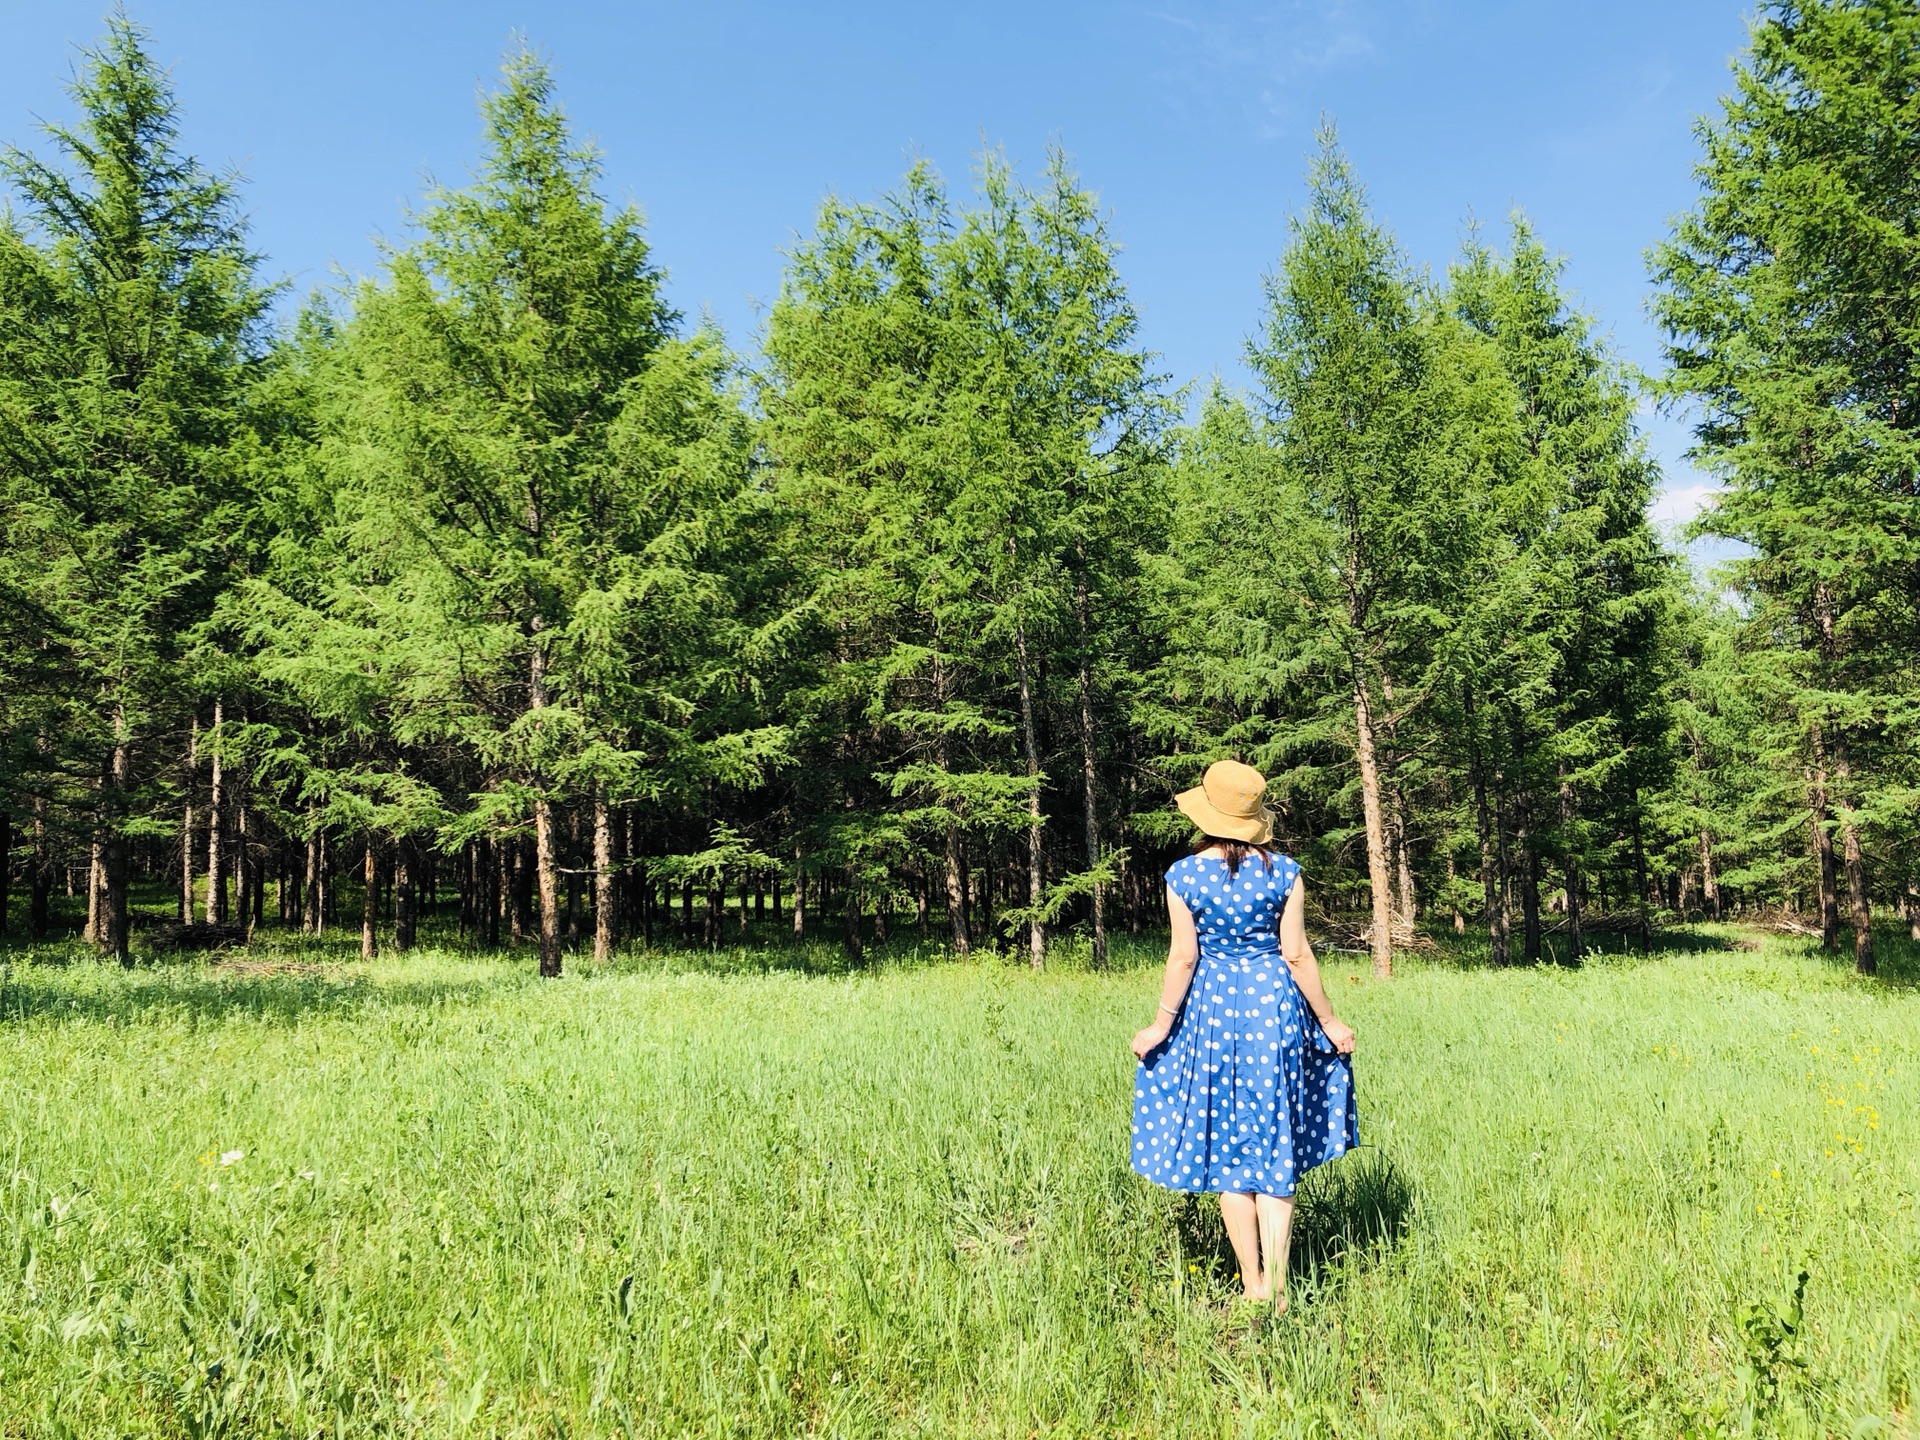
1180,881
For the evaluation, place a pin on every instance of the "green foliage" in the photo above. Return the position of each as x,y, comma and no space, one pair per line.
507,582
965,436
1789,292
130,319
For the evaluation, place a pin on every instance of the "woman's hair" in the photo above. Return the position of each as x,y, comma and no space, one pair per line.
1237,851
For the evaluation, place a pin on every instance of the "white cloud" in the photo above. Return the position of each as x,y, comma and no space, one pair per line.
1678,506
1250,58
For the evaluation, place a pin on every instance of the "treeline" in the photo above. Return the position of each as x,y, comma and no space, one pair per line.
492,588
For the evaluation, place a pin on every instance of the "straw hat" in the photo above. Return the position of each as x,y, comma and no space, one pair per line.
1229,803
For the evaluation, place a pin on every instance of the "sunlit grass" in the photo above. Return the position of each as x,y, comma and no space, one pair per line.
751,1194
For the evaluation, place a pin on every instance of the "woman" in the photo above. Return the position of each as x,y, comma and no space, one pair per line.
1244,1083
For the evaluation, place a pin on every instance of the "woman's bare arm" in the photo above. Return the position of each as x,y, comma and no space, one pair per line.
1298,953
1183,952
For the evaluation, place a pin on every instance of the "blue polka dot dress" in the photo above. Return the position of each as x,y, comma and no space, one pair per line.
1246,1094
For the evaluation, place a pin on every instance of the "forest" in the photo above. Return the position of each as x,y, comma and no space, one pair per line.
488,595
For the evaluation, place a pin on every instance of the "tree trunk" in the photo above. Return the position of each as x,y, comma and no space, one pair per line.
549,885
799,897
574,878
954,875
493,893
602,880
1709,882
627,895
216,818
1134,884
186,824
1089,786
314,922
1913,907
259,892
1640,877
516,887
1576,943
980,881
1036,856
1491,899
1377,874
247,871
1823,844
91,935
1529,886
405,898
40,911
117,935
6,867
956,892
855,951
1406,905
329,899
1570,843
1453,875
968,889
1503,877
370,903
1857,904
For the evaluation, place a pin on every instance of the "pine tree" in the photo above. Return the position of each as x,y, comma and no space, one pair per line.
133,318
1393,423
964,423
1578,665
1788,292
529,483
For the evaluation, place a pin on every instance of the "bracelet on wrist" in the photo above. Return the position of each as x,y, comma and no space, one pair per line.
1166,1011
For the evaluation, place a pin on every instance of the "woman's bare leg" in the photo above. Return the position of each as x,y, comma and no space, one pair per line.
1243,1229
1275,1214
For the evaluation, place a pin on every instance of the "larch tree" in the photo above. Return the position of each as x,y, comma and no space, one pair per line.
530,483
1392,422
1789,292
133,319
1581,673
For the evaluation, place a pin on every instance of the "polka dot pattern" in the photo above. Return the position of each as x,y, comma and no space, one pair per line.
1246,1094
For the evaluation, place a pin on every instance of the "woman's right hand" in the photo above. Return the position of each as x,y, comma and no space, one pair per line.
1150,1038
1340,1033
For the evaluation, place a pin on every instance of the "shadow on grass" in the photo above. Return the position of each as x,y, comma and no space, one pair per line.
1614,940
1351,1210
1896,956
284,976
203,992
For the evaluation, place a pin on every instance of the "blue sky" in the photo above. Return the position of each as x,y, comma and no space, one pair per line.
730,121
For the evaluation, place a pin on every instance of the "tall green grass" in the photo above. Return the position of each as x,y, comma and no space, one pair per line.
440,1197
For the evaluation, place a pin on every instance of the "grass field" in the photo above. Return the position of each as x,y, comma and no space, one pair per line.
440,1197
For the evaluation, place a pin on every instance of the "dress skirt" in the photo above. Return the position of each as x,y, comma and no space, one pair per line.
1247,1093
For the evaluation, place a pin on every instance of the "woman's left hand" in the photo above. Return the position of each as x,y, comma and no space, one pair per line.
1150,1038
1340,1033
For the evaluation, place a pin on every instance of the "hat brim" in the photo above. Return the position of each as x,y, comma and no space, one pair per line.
1253,829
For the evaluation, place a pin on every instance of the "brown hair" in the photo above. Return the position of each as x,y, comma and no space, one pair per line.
1237,851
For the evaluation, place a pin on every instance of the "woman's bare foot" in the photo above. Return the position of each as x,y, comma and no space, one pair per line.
1257,1287
1279,1302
